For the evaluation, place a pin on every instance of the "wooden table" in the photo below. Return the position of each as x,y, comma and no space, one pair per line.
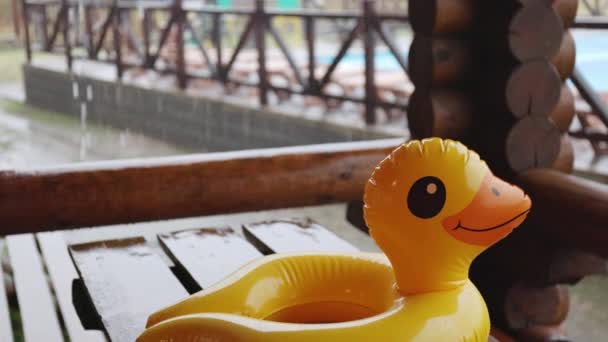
100,290
142,268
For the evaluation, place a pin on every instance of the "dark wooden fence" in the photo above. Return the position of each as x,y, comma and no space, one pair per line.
586,91
308,81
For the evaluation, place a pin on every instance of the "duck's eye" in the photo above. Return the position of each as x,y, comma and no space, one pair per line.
426,197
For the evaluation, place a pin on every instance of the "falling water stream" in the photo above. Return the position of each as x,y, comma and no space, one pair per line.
30,138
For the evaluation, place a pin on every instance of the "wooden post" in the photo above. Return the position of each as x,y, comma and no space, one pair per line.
182,80
519,110
66,33
146,32
117,40
370,72
217,41
260,39
309,23
26,30
45,34
88,22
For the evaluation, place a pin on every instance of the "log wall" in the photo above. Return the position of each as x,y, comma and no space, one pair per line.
492,74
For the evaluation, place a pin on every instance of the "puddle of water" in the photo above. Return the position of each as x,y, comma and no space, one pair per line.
30,137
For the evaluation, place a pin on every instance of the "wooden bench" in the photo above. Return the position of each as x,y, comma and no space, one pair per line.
105,290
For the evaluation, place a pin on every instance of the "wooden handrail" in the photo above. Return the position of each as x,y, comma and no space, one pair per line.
591,23
101,193
573,210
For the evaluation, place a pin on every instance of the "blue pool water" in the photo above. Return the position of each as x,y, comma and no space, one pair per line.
591,50
592,57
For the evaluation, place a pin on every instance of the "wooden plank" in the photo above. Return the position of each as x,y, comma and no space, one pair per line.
6,331
294,235
62,273
38,313
186,186
208,254
126,282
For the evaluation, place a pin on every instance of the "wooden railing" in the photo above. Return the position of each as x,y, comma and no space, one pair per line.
309,79
586,91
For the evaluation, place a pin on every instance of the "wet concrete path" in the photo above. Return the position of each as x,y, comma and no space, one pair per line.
30,137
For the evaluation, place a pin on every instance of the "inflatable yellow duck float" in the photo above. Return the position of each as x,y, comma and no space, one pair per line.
432,206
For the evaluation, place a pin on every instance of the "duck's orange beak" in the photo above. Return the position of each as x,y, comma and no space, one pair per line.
497,209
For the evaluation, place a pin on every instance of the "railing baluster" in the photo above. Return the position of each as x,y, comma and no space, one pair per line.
66,33
313,85
26,30
146,32
217,41
44,20
117,40
261,20
88,22
181,62
370,72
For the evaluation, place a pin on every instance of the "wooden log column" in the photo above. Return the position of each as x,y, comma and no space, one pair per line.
492,74
439,66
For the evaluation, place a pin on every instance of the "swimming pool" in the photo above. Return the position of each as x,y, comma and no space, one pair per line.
591,47
592,57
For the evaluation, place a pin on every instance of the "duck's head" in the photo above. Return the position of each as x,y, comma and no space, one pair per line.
432,206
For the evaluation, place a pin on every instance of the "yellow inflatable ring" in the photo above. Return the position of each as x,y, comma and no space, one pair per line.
432,206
